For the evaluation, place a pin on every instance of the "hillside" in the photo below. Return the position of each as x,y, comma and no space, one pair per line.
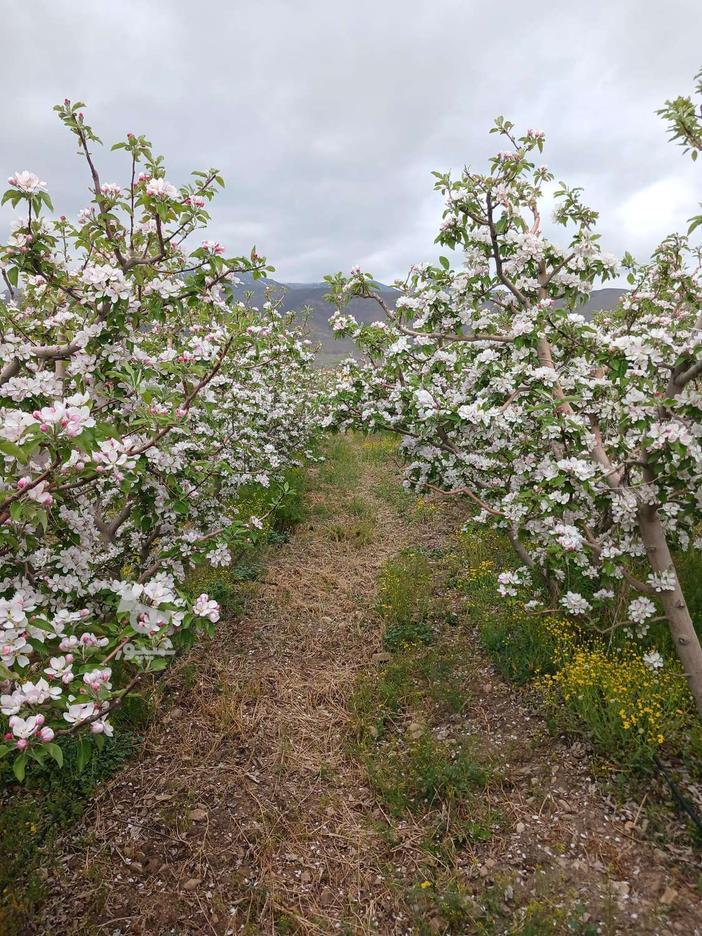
310,297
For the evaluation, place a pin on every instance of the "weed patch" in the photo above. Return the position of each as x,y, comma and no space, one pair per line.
588,686
426,773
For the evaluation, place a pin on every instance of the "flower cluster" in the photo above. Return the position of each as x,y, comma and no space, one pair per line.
619,693
139,400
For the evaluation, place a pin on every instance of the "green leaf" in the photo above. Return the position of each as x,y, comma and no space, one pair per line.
83,753
19,767
41,517
55,751
9,448
444,262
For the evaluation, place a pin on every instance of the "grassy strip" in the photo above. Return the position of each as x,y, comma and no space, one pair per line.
33,816
428,772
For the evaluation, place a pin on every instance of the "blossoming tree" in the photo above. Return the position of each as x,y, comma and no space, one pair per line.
138,399
580,439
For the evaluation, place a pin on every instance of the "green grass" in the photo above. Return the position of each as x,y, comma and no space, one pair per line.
689,566
292,510
358,507
432,678
446,906
405,588
341,468
401,715
425,773
357,532
519,646
32,817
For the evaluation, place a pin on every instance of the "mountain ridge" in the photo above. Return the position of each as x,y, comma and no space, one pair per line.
298,297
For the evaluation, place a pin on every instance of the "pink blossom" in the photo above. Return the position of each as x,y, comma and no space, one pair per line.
27,182
207,608
159,188
213,247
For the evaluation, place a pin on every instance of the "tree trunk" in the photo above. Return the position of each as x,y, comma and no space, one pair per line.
687,643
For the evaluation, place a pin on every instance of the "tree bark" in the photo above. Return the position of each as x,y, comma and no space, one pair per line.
685,638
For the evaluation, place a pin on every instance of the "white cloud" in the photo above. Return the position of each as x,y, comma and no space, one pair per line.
652,212
327,117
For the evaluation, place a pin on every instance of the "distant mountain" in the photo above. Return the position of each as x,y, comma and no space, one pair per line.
309,297
601,300
300,296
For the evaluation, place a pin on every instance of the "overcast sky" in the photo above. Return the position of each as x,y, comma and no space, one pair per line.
326,117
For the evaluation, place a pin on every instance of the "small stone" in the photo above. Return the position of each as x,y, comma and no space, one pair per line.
668,896
198,815
437,924
326,898
191,884
621,888
305,877
520,828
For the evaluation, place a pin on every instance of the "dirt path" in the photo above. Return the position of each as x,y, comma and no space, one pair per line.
248,812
